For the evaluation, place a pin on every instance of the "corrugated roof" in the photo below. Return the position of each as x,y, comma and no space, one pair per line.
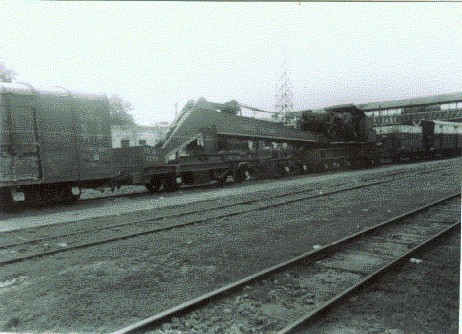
28,89
350,107
418,101
426,100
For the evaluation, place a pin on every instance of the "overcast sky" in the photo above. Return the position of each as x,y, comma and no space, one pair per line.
154,55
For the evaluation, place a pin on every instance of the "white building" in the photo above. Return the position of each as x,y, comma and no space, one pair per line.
135,135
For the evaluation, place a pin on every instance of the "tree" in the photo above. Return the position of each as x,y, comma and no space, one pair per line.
120,111
6,74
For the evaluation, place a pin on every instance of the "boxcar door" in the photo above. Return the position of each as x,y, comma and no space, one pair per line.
23,142
94,137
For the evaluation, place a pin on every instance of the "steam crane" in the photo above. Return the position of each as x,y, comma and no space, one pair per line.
233,107
339,123
205,123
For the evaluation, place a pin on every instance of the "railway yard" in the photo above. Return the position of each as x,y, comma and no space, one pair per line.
156,188
364,251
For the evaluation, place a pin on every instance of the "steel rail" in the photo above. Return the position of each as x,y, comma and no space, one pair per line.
310,256
37,228
319,311
41,227
165,228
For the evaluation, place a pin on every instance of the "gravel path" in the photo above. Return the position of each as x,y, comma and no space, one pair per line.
104,288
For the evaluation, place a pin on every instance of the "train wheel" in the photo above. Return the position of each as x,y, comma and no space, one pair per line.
242,174
222,180
347,164
357,163
336,165
221,176
45,194
374,162
70,197
282,171
170,183
324,166
6,200
37,196
154,185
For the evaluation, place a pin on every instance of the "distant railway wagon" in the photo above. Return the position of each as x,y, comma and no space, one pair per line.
52,143
426,139
445,138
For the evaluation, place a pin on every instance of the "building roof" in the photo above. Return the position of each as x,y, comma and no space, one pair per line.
418,101
343,108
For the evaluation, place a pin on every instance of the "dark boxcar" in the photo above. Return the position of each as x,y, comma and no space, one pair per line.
427,139
52,137
401,141
445,138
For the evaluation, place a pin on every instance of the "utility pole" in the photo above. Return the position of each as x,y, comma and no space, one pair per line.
284,96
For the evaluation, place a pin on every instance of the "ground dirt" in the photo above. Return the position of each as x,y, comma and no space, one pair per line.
107,287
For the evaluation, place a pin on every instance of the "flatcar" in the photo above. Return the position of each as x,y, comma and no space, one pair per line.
210,142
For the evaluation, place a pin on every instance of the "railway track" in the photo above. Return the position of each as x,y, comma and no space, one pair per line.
42,241
83,224
420,296
281,298
94,201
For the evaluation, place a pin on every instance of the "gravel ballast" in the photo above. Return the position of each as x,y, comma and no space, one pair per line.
421,297
107,287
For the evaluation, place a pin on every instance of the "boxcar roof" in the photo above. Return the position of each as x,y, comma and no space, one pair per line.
28,89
